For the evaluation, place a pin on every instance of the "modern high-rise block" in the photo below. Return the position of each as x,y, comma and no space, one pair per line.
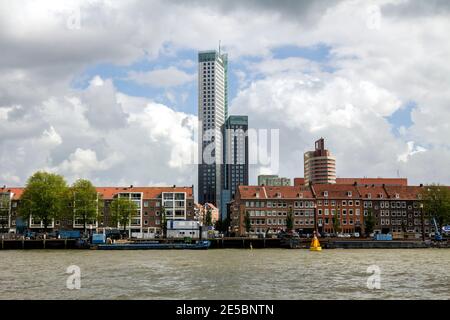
212,113
235,170
319,165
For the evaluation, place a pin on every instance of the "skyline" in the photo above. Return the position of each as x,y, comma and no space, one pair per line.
373,86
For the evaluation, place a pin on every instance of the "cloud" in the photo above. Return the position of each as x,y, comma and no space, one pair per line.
412,150
102,109
378,60
161,78
150,142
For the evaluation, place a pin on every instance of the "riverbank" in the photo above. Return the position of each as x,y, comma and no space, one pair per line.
241,243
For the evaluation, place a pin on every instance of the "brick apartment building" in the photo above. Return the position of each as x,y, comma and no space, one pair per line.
395,208
178,203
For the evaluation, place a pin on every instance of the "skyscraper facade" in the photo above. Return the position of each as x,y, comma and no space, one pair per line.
235,170
212,113
319,165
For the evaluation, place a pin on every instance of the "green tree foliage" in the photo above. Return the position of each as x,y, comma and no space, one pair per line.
122,209
4,211
290,220
44,198
222,225
208,218
436,202
336,223
164,221
369,222
247,222
85,201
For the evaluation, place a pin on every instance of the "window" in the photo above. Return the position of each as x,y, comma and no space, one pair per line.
145,204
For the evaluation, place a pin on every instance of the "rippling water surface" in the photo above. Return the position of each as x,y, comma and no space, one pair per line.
226,274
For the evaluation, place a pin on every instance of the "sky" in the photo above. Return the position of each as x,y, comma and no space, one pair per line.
107,90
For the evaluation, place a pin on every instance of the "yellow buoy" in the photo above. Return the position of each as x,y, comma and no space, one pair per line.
315,245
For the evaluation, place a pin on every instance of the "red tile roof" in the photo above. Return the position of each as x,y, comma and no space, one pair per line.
335,191
17,192
374,191
271,192
363,181
405,193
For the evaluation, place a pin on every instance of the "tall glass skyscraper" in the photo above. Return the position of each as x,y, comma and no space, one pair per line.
235,168
212,112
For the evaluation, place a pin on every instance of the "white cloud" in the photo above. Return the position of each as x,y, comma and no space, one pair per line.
83,162
162,78
378,67
412,150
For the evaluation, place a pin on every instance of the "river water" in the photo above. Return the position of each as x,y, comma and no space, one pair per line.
227,274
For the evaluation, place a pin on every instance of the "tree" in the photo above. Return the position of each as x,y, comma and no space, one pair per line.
336,223
222,225
369,222
208,218
4,210
122,209
247,223
289,220
164,221
44,198
436,202
85,200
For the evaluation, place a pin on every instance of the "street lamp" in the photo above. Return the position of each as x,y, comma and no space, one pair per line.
423,222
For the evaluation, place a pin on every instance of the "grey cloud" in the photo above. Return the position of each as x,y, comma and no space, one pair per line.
304,12
103,111
416,8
